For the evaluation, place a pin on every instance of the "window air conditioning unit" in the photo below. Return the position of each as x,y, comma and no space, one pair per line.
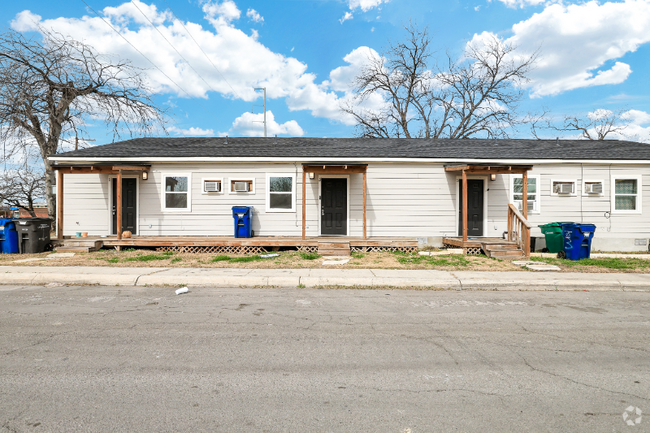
241,186
563,188
212,186
593,188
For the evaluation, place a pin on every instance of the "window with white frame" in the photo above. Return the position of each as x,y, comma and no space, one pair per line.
176,192
517,189
626,191
563,187
281,192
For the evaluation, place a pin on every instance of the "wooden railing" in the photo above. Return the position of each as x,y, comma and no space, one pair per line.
519,229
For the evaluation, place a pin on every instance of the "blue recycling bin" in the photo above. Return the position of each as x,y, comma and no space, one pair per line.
8,236
577,240
243,216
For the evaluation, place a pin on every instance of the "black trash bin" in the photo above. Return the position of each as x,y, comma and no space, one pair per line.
34,235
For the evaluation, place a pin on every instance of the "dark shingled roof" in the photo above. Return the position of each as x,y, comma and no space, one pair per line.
362,148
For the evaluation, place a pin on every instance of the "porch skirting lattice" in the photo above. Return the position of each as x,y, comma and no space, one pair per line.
215,249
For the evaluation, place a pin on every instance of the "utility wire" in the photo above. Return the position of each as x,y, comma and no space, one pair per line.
204,53
171,45
142,54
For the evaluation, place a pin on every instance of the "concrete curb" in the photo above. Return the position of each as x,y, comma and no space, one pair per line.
225,277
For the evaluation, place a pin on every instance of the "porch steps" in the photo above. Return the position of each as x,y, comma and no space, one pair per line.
80,246
507,251
334,248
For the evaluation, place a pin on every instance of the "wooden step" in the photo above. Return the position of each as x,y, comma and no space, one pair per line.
73,249
502,246
81,245
505,253
334,248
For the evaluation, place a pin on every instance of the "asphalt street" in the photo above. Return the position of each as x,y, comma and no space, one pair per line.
127,359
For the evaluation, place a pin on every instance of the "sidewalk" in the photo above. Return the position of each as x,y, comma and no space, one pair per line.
380,278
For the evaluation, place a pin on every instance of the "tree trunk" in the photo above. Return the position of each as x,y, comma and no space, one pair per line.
49,194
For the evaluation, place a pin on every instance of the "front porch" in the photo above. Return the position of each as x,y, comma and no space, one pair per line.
231,245
517,243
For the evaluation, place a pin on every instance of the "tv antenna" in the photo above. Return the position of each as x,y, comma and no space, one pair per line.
258,105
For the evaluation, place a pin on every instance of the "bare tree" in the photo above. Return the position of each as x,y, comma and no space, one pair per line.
23,188
475,95
50,88
596,125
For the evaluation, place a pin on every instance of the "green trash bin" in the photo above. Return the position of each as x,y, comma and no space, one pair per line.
554,237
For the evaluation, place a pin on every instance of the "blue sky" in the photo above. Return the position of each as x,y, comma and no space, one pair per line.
593,55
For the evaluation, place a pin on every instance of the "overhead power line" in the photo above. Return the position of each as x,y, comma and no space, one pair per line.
204,53
172,45
147,58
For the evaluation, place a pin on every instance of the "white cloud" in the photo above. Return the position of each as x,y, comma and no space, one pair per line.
236,54
192,132
521,3
579,43
25,21
635,128
221,13
365,5
347,16
248,124
254,15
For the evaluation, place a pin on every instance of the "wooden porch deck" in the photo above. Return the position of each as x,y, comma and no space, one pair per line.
229,244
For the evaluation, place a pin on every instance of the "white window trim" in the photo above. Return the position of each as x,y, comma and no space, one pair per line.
268,192
211,179
538,194
575,187
584,185
639,189
163,196
241,179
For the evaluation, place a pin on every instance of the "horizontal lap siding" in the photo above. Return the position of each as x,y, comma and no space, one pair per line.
409,200
582,207
402,200
211,214
85,204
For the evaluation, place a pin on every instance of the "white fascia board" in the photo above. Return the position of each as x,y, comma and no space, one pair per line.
349,160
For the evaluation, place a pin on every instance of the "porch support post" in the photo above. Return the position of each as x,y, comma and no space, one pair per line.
59,205
464,206
119,205
525,197
304,202
525,231
365,225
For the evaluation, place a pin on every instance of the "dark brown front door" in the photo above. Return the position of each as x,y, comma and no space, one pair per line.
474,207
334,207
129,205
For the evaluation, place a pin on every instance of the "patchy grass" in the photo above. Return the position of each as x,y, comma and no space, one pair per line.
147,258
245,259
300,260
456,261
604,263
309,256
